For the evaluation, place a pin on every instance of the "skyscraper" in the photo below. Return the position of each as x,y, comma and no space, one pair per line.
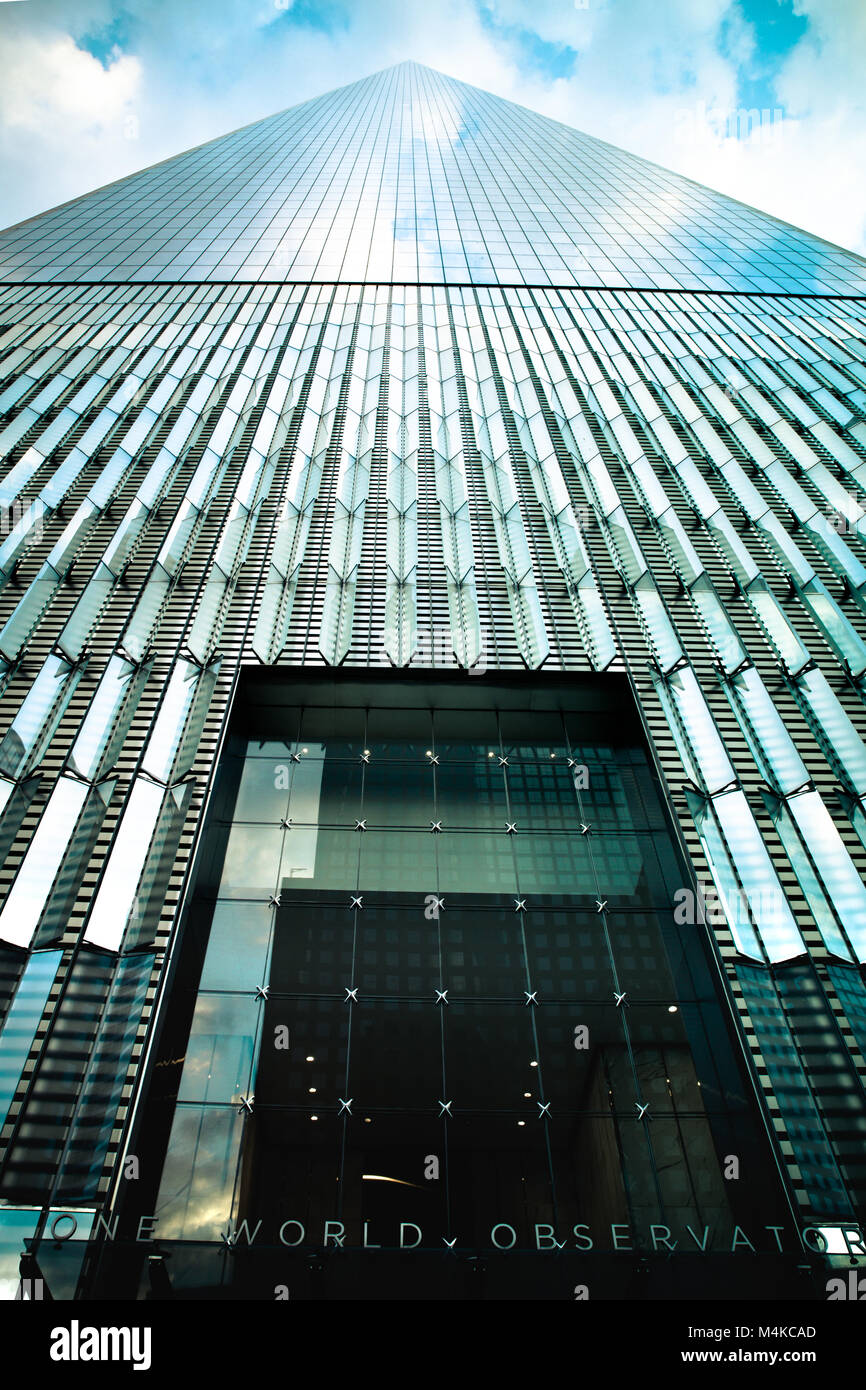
433,641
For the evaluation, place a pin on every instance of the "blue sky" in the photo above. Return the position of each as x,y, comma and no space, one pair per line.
94,89
778,27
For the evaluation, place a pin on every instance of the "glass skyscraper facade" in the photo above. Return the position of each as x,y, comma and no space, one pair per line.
432,645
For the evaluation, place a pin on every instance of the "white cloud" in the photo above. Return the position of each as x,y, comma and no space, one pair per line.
65,121
54,86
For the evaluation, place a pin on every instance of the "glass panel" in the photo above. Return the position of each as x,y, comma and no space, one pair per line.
311,1071
252,861
844,885
488,1048
773,918
852,995
399,793
219,1058
313,948
237,947
474,862
725,879
28,894
91,1131
382,1033
148,905
82,838
819,905
702,733
841,740
806,1133
177,700
471,795
396,953
483,952
116,894
836,627
22,1020
263,794
392,861
96,728
195,1196
774,741
39,715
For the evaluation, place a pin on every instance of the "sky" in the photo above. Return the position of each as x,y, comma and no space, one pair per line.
91,90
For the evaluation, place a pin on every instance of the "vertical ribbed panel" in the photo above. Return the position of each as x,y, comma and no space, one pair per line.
210,476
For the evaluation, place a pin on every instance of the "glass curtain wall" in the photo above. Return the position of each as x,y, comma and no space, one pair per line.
443,990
